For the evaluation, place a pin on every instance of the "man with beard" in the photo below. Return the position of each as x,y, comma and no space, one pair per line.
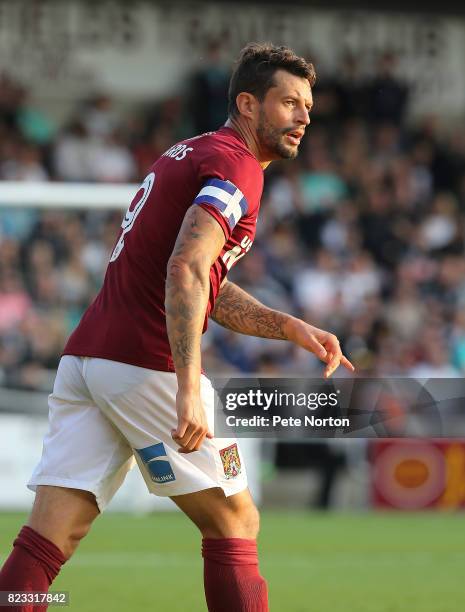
130,385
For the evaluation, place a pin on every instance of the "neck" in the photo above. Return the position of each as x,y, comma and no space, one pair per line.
250,137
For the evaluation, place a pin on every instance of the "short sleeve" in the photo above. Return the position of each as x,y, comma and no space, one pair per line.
225,201
231,188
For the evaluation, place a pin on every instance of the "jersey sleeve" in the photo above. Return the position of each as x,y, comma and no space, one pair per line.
231,189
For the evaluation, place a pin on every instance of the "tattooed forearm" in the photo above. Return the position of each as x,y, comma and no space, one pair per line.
185,304
184,350
187,288
235,309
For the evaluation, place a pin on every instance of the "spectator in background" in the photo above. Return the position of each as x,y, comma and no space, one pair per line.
434,358
328,99
209,91
15,303
40,354
353,89
405,312
458,340
11,95
99,117
33,123
360,280
316,286
111,161
73,153
388,95
320,189
159,140
26,164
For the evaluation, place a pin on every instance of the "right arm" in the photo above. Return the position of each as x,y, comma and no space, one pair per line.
198,245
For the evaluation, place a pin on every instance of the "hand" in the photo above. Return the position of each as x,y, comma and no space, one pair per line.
321,343
192,426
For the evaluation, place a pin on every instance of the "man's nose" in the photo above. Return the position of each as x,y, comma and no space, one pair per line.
303,116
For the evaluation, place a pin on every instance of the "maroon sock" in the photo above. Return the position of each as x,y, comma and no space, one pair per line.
232,580
32,566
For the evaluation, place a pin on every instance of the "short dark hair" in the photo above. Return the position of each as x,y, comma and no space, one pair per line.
254,71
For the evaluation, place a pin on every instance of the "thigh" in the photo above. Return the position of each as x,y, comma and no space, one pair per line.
141,403
82,449
218,516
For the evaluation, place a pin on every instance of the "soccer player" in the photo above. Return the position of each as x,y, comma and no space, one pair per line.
130,385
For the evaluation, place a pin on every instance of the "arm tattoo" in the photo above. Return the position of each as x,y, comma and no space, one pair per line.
187,285
183,349
235,309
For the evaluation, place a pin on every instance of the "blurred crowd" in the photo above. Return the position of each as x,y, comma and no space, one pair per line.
363,234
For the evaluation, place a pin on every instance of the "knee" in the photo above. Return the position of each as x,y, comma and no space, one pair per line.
251,521
240,523
72,539
63,516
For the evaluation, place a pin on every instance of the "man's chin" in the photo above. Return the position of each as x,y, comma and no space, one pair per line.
288,151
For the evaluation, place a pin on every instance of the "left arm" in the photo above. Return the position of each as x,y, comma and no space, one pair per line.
238,311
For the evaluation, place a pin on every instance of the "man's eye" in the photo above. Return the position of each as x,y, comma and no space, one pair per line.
290,103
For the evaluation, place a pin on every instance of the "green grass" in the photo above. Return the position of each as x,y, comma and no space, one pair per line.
313,562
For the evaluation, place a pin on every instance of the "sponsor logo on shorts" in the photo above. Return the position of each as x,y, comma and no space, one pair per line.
159,469
231,461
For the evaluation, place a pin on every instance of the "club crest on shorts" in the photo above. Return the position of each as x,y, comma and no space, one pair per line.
231,461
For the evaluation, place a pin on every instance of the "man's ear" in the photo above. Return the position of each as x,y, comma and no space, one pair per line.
247,104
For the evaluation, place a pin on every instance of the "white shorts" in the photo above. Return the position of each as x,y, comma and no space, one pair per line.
106,415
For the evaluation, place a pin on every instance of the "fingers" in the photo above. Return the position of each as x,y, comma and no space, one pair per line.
190,436
334,355
183,434
347,364
335,362
192,445
317,348
335,358
180,431
326,347
332,365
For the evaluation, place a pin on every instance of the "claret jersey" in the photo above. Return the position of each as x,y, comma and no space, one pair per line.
126,321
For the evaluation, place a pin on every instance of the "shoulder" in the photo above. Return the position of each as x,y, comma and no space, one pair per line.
228,159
